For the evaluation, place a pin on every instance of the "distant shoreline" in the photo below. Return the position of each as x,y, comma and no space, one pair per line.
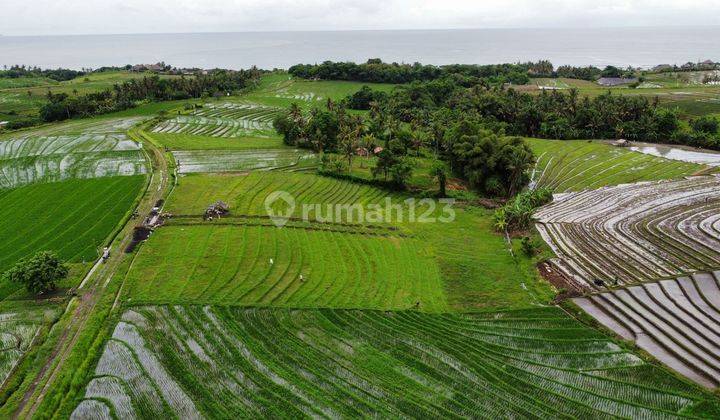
634,46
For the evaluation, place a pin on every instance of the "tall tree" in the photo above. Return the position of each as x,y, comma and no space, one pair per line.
38,273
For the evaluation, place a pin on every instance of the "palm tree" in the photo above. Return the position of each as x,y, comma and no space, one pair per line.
366,142
349,138
439,171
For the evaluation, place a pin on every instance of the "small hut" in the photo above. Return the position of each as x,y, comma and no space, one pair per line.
217,209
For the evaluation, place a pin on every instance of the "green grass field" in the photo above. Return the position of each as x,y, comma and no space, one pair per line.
281,90
25,100
573,165
219,362
25,82
390,265
72,218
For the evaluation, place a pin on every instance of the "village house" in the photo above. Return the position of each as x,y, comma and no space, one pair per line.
157,67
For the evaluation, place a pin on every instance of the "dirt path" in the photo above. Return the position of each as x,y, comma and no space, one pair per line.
91,290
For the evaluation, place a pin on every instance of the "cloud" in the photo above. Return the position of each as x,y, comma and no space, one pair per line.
141,16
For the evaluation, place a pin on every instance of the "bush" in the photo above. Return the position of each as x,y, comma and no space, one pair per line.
706,124
333,164
516,215
528,245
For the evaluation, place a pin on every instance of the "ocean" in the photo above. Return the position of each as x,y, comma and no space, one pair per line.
644,47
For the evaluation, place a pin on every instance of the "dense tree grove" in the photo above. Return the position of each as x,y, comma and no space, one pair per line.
583,73
363,98
374,70
491,162
60,74
153,88
516,214
554,114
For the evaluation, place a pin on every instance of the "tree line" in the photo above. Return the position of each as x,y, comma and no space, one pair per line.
151,88
59,74
376,71
554,114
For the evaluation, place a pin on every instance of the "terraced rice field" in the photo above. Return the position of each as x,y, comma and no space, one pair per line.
264,265
222,120
246,194
675,320
281,90
18,328
32,159
72,217
574,165
376,265
195,361
191,161
635,232
193,142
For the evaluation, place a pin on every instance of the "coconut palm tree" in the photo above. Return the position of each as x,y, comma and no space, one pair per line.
439,171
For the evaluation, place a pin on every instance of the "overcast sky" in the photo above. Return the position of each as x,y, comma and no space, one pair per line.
49,17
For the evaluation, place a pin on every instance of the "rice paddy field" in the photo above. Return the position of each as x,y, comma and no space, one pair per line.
72,218
281,90
675,320
574,165
223,120
19,325
202,361
30,159
335,317
184,142
635,232
244,259
244,160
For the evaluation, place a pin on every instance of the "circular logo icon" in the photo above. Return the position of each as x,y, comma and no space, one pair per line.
279,205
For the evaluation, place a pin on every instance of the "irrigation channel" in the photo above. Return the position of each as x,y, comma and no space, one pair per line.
94,286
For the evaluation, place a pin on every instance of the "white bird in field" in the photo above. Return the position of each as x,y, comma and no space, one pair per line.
301,277
271,261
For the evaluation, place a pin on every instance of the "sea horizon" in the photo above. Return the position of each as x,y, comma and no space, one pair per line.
637,46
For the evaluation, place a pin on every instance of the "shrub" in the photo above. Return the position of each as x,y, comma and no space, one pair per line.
517,214
528,246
